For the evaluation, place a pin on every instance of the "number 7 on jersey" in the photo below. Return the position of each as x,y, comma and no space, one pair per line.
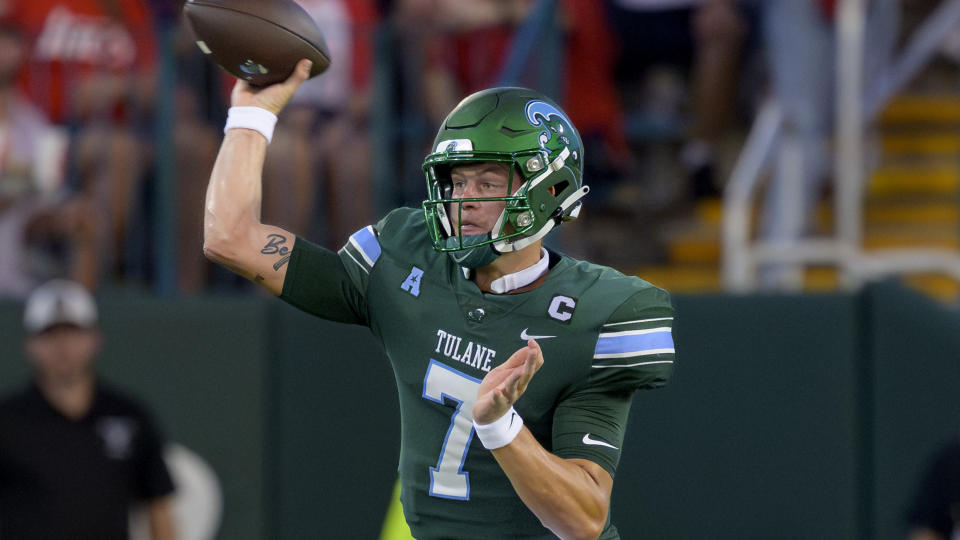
448,479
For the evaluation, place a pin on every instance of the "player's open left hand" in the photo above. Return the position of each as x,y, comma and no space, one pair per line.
274,97
504,385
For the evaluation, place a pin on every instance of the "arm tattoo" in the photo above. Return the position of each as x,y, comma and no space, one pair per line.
283,260
275,246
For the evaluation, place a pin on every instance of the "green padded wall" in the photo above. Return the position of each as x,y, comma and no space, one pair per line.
915,374
756,434
336,435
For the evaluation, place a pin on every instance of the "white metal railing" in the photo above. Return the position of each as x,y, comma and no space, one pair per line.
743,257
739,266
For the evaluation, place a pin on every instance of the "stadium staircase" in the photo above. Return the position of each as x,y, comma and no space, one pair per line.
911,201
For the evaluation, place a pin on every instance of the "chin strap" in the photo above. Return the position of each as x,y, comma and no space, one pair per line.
571,200
504,246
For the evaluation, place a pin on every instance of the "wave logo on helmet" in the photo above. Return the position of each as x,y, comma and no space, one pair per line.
545,115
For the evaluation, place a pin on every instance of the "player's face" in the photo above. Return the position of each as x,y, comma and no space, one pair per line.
480,180
63,352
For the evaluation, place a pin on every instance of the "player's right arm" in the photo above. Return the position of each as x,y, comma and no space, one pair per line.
233,234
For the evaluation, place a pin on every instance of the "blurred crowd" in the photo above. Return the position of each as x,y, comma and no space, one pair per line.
109,114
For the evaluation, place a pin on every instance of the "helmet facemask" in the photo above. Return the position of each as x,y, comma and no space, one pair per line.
444,210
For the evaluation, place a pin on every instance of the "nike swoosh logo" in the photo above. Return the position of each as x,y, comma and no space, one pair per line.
525,336
595,442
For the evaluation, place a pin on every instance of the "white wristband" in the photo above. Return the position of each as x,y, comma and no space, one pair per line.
501,431
254,118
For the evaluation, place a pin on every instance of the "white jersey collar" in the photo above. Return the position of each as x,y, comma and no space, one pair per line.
511,282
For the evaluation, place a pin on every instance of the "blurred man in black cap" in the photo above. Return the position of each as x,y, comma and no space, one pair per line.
75,454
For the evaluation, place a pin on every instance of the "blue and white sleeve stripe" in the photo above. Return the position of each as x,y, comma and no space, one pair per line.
363,248
633,343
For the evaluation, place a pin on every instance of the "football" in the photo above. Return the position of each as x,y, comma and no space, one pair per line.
259,41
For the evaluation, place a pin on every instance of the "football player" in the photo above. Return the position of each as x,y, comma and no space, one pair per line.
515,365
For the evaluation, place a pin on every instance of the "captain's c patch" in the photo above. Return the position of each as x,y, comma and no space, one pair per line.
561,308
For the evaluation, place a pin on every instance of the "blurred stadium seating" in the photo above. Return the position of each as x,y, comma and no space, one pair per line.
910,195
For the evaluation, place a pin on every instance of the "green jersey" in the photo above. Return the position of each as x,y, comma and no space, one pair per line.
603,336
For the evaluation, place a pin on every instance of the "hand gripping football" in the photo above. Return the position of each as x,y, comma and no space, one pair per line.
259,41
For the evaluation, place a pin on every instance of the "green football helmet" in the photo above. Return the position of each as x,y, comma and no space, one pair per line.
531,135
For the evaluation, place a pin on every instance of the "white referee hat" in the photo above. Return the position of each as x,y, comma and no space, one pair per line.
59,302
